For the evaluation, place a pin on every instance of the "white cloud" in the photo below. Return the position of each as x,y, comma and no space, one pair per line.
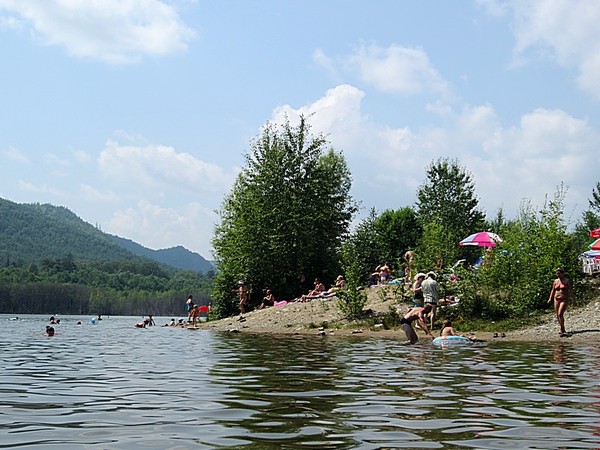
92,194
162,180
114,31
159,166
397,69
15,155
496,8
565,31
324,61
159,227
338,111
528,161
82,157
28,186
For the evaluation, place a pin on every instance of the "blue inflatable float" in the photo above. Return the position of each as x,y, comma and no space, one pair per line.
451,341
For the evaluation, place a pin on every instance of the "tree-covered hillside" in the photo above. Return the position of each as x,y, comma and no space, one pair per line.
178,257
52,261
30,233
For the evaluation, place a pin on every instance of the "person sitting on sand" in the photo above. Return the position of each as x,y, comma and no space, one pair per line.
340,284
385,273
316,292
268,299
415,314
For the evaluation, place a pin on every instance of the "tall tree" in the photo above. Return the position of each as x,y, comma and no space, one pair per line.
399,231
385,237
447,198
595,200
285,217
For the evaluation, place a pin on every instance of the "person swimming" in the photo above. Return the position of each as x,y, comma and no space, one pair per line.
49,330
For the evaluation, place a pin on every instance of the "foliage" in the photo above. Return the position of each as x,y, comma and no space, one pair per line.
515,277
352,300
285,217
595,200
68,286
385,237
31,233
435,248
366,244
447,198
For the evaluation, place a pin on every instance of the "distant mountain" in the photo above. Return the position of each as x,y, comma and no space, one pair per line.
178,257
30,233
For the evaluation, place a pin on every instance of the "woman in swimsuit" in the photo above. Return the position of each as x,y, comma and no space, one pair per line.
561,294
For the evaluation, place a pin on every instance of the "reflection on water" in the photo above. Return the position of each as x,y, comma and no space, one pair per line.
111,386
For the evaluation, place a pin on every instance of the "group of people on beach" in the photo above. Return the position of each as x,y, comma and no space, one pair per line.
426,293
319,291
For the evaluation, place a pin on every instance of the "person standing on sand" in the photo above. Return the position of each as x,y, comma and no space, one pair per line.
431,294
243,295
561,293
417,291
418,315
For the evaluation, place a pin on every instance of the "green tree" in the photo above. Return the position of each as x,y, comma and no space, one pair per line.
352,300
366,245
399,231
517,274
595,200
286,215
384,237
447,198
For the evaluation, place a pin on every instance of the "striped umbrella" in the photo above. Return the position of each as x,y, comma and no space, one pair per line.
481,239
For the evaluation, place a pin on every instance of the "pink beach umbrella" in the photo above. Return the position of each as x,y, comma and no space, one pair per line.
481,239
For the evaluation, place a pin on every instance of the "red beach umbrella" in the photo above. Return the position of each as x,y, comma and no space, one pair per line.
595,245
595,233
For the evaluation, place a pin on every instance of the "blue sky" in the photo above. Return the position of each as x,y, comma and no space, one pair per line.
136,114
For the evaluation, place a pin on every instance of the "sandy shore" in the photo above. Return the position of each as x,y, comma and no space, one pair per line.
583,324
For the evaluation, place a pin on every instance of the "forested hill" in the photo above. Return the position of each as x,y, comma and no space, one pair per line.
30,233
178,257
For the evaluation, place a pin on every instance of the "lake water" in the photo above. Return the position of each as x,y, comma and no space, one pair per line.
112,386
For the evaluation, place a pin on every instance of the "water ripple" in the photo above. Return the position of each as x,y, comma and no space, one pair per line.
111,386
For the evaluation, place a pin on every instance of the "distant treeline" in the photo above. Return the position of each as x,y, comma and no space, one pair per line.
66,286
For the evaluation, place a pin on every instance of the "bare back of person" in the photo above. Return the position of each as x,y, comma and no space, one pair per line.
415,314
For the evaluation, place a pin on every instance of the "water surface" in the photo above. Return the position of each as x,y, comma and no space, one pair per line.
112,386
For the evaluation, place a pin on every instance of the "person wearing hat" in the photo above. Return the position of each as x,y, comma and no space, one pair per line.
561,293
431,294
417,289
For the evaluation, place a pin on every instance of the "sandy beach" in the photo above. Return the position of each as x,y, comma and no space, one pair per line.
583,323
